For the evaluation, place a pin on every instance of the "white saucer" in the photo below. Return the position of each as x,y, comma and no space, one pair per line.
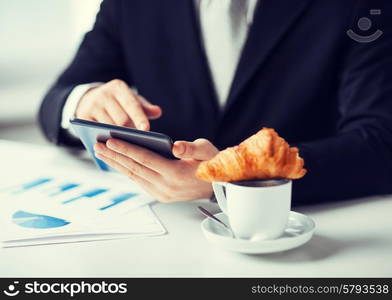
299,230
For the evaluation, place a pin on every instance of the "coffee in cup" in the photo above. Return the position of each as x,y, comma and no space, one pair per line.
256,209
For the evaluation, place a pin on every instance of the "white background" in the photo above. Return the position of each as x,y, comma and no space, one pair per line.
37,40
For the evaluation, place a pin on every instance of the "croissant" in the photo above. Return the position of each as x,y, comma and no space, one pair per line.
264,155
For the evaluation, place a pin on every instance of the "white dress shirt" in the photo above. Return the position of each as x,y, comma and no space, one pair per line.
224,31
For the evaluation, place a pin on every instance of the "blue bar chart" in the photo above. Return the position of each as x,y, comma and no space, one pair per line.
62,188
118,199
20,188
89,194
47,205
70,193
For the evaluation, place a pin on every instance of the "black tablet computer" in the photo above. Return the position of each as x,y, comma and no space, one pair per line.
92,132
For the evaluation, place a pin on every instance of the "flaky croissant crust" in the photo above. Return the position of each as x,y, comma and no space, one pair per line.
264,155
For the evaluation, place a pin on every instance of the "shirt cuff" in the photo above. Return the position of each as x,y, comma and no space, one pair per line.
72,102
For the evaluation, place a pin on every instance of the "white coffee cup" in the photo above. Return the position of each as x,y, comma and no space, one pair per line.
256,209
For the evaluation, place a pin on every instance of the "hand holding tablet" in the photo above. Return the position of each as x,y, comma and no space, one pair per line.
147,158
92,132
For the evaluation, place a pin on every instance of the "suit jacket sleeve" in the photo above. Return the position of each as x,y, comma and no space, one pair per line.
357,161
98,59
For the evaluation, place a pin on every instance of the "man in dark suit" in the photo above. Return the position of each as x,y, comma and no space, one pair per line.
319,72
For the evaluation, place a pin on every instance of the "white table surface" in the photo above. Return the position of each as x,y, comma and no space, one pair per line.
353,239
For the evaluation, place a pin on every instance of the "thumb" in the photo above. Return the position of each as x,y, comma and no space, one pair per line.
200,149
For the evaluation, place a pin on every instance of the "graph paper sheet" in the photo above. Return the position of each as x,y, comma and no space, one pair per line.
69,205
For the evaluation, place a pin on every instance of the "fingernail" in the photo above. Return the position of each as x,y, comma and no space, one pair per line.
98,148
143,126
111,144
179,149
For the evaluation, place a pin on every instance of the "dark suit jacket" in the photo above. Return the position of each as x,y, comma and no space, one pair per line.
299,73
